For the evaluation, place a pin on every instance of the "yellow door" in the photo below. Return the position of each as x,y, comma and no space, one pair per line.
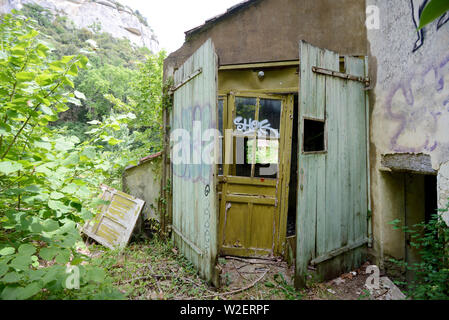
257,142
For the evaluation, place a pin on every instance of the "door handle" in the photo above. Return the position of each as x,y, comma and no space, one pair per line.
301,179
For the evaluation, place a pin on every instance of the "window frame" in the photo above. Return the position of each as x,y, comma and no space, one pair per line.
304,118
230,125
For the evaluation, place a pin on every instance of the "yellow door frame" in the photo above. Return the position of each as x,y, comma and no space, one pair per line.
281,183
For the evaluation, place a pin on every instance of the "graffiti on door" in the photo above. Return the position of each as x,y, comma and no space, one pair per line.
193,144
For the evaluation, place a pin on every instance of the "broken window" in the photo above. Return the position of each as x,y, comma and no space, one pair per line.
314,137
256,136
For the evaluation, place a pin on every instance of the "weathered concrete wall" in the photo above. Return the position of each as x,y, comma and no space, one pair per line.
410,106
144,182
443,188
270,30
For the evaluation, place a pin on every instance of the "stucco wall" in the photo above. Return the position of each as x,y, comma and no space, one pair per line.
270,30
410,105
144,182
443,188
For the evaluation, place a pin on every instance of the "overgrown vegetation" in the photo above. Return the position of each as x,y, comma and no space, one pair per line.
49,174
119,75
432,273
156,270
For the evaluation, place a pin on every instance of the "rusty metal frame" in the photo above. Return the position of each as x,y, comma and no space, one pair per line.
327,72
186,80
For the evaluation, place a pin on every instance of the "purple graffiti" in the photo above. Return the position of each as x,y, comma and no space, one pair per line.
185,119
411,114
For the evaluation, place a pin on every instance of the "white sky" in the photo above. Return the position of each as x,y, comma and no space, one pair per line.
171,18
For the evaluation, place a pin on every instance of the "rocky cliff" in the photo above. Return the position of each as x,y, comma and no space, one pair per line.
115,18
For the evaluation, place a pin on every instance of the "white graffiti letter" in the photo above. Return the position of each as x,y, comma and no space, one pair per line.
372,18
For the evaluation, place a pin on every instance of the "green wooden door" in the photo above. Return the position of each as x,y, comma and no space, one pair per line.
332,183
194,220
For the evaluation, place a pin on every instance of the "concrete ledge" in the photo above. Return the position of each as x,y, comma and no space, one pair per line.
408,162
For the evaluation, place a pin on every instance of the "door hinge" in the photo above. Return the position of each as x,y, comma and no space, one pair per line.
183,82
327,72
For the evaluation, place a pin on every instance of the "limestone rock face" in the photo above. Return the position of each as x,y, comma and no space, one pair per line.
116,19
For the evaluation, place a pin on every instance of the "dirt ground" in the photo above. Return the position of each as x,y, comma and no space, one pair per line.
349,286
238,274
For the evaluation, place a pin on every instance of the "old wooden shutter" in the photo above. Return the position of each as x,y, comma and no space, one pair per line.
194,223
113,226
332,191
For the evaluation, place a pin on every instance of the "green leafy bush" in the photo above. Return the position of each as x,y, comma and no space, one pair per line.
432,272
113,63
48,180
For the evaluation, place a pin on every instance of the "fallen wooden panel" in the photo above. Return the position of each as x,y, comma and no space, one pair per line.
113,226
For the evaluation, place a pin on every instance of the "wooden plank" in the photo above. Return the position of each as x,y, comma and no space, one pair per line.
187,241
243,189
339,251
336,193
250,181
251,199
312,105
360,170
285,167
260,65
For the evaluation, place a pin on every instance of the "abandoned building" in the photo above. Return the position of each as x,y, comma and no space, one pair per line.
357,122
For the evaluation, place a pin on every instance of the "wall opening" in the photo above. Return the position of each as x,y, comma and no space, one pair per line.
420,198
412,200
314,136
292,195
431,196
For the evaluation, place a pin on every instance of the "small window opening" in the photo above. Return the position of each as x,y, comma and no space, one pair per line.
342,65
314,136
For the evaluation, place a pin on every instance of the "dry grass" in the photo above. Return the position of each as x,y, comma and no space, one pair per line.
155,270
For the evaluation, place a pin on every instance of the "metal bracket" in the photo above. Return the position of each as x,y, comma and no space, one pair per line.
183,82
327,72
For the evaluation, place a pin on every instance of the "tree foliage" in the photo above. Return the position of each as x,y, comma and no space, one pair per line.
431,240
113,64
48,179
432,11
